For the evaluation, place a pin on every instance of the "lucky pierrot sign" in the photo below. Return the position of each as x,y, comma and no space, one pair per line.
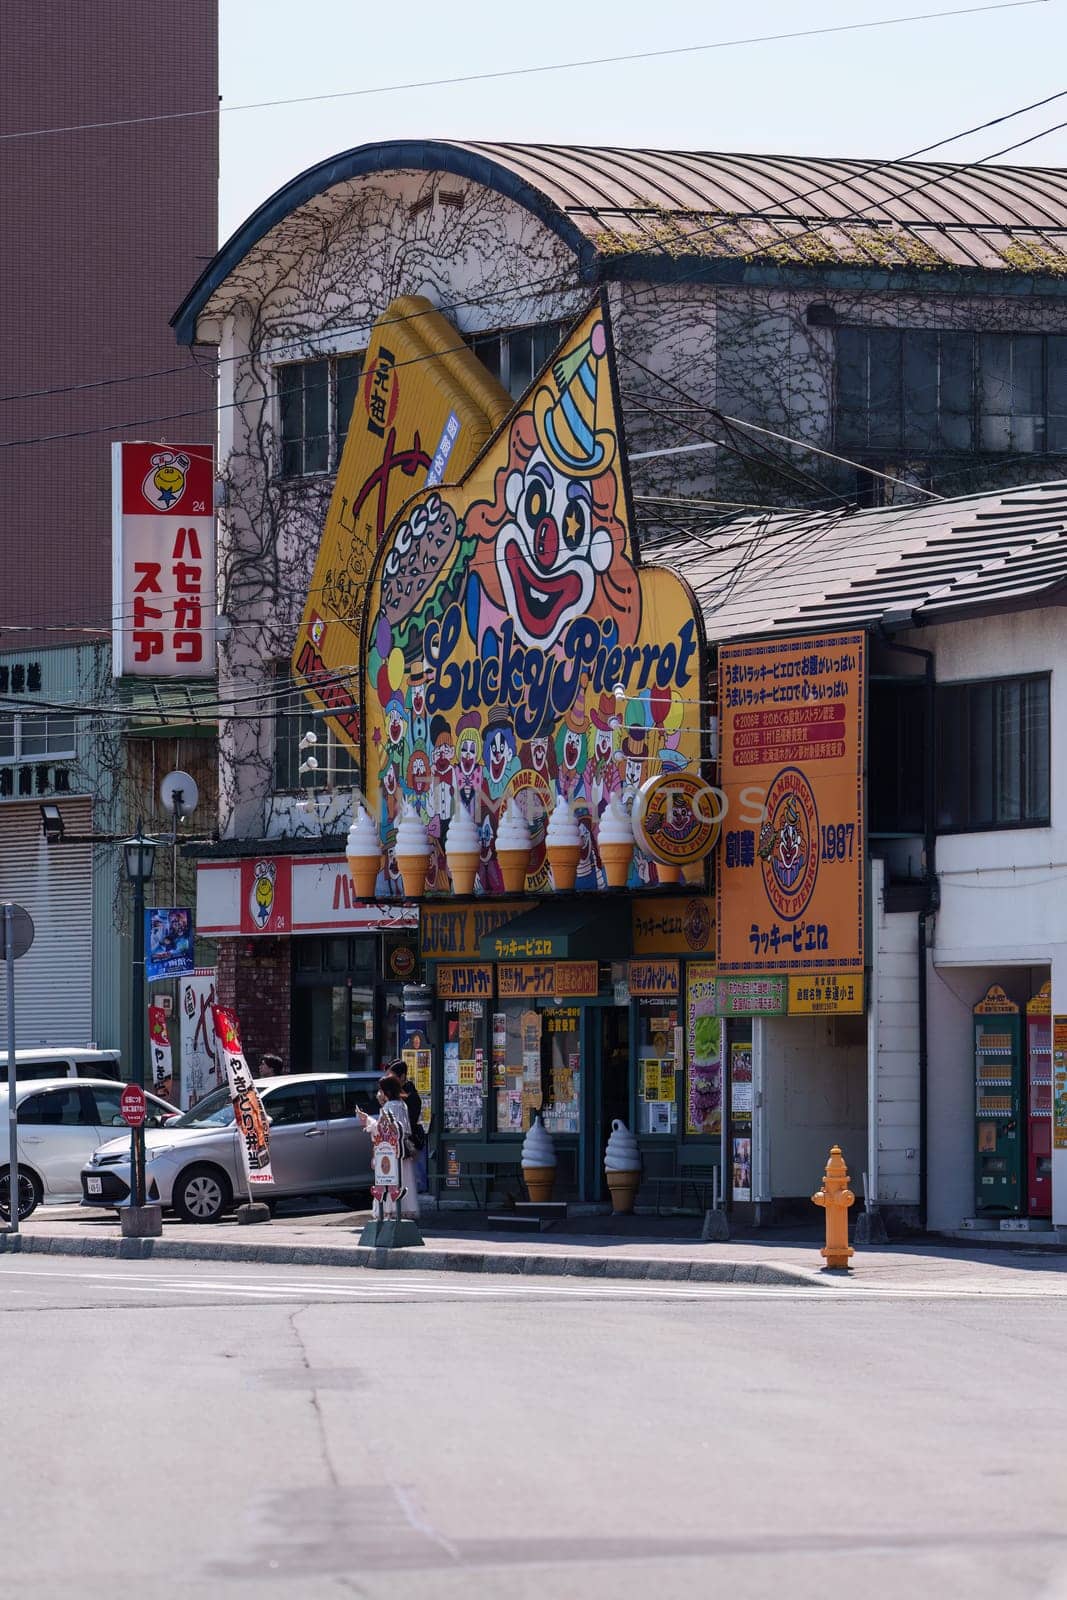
516,650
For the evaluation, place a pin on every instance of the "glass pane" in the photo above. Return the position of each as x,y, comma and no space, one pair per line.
520,362
349,369
464,1067
316,453
545,341
108,1110
563,1083
7,738
1056,357
486,347
885,385
920,389
994,356
293,1102
851,427
1035,729
1008,702
61,734
34,741
852,369
657,1106
952,811
980,718
516,1049
957,391
292,458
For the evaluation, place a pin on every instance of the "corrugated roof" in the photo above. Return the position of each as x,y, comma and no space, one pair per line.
801,208
928,563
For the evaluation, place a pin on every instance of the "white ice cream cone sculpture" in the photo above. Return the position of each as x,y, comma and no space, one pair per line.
622,1168
463,851
364,854
615,841
513,849
563,846
538,1160
412,852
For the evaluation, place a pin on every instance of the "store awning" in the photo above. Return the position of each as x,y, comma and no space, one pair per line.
573,930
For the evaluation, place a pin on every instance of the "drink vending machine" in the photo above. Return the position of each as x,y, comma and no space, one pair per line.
1039,1102
998,1069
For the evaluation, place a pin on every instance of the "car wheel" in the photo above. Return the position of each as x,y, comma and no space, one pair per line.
30,1193
201,1194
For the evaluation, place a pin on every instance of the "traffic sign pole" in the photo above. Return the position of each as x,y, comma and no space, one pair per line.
12,1108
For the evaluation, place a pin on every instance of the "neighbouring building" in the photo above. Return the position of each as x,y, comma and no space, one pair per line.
109,207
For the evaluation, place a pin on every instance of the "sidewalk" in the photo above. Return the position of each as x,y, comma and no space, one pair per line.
331,1239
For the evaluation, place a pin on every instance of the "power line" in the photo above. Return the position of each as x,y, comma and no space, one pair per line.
522,72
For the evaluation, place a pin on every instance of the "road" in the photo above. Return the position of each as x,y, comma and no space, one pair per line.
229,1431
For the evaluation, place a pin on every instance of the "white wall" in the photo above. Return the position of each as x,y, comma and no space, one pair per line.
893,1023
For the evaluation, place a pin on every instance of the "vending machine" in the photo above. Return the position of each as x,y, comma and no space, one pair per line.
998,1071
1039,1102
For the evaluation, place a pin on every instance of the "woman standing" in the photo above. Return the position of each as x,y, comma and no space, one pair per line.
393,1107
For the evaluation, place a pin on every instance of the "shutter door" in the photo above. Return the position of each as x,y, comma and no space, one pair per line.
54,980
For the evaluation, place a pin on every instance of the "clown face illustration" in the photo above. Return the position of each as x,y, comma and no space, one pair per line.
549,554
501,762
467,762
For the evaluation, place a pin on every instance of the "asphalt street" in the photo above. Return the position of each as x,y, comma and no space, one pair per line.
174,1430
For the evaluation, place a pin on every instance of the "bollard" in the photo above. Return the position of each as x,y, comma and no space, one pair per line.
835,1197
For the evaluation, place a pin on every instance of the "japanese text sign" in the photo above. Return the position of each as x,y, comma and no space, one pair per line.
163,561
790,878
654,979
456,982
750,997
825,994
547,980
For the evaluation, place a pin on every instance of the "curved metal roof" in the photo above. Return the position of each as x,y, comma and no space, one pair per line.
609,203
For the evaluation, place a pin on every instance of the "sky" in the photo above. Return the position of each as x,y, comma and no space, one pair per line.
875,94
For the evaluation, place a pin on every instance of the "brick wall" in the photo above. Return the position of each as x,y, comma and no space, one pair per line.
255,977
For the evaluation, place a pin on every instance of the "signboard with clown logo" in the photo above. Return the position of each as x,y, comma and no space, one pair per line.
791,856
517,654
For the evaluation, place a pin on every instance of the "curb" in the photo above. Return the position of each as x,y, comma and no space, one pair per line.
427,1260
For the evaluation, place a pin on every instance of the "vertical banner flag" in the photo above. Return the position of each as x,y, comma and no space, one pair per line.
162,1061
201,1066
252,1123
163,560
790,878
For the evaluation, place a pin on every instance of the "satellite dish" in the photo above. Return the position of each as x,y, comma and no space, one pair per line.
179,793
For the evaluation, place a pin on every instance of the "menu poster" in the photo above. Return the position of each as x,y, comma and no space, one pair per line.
451,1056
650,1073
704,1099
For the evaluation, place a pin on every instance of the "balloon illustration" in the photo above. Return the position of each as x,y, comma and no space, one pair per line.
395,666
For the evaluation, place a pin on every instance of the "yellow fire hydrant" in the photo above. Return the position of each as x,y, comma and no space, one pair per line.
835,1197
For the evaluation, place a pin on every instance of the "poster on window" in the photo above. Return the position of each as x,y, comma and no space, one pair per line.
163,560
201,1061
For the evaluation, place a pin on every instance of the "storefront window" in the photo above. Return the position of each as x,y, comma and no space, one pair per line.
657,1021
516,1066
466,1025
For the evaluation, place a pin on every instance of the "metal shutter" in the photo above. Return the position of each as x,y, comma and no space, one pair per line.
54,981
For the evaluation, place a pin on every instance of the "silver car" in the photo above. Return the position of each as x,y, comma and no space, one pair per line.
61,1122
194,1165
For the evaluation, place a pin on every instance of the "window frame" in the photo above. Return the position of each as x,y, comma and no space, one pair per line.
1046,426
338,768
19,756
339,374
1025,770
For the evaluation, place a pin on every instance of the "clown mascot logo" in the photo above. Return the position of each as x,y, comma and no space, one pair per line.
164,482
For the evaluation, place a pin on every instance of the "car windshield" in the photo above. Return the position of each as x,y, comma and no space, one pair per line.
214,1111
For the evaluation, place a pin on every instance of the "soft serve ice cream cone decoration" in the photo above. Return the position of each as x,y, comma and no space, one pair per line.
616,842
513,848
563,846
463,850
538,1161
412,852
622,1167
364,852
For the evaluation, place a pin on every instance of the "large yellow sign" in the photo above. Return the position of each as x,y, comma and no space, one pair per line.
790,878
424,410
515,649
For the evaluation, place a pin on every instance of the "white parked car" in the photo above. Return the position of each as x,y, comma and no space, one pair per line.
61,1122
194,1164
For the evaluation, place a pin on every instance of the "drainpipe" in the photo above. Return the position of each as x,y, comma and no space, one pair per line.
932,893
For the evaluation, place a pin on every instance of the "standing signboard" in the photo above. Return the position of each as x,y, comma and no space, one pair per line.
163,560
790,869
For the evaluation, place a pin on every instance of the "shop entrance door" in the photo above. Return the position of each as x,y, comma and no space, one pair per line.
608,1042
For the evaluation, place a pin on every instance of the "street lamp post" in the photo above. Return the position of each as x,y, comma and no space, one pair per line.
139,1221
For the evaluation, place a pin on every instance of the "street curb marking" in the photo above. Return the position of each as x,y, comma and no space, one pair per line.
468,1261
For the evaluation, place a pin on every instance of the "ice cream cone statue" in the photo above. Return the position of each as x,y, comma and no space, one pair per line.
513,848
412,852
616,842
665,874
622,1167
463,849
538,1161
563,846
364,852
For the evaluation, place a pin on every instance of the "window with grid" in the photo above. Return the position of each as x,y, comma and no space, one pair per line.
335,765
516,355
315,401
937,389
993,754
37,736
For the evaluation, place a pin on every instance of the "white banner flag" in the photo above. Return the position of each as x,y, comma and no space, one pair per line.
202,1068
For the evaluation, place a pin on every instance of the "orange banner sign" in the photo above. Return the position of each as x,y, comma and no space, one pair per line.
790,879
571,980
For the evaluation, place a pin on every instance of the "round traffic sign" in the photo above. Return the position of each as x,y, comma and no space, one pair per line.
21,931
133,1105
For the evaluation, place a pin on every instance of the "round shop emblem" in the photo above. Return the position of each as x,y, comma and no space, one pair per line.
696,924
789,843
676,818
402,961
164,482
261,897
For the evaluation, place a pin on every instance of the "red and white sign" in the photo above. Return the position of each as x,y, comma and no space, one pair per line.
311,894
266,895
133,1105
163,560
162,1058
